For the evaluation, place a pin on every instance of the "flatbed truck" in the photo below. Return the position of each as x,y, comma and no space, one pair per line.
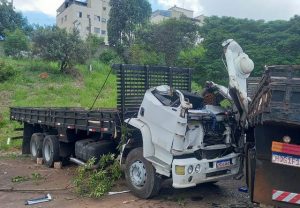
164,130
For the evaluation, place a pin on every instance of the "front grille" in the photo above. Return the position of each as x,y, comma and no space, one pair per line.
217,173
212,154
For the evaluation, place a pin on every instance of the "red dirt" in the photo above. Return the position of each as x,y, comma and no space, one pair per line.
223,194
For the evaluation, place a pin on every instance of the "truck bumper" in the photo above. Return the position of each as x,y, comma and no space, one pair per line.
208,170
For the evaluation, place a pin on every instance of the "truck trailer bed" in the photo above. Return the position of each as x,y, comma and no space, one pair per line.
100,120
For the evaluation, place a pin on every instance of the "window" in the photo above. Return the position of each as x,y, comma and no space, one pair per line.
97,18
62,20
97,30
103,32
104,20
104,8
79,14
66,17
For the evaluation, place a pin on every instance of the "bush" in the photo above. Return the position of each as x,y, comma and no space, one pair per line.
109,56
16,43
55,44
142,56
96,183
6,71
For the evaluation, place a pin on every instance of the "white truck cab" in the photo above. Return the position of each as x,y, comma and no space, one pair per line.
187,137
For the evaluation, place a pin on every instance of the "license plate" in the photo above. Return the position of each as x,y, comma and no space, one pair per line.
285,159
223,163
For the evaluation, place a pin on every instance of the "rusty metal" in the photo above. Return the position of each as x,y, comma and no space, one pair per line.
273,114
277,97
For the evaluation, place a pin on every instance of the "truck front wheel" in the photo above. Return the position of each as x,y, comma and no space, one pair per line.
141,176
50,150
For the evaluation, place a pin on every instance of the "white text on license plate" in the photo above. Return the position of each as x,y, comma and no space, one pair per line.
285,159
223,163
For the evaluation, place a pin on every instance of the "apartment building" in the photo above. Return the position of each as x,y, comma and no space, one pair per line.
87,16
175,12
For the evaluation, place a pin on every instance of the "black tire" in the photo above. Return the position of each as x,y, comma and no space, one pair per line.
151,185
36,145
50,150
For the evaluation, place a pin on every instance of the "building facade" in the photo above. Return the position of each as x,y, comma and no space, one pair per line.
88,17
175,12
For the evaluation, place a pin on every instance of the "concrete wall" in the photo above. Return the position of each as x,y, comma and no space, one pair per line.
180,11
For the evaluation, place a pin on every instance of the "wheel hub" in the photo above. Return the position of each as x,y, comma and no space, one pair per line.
138,174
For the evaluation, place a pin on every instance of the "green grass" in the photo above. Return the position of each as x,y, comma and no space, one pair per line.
58,90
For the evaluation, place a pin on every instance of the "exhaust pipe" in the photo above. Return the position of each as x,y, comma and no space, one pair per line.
81,163
77,161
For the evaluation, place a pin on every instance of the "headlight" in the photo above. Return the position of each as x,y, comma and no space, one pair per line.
197,168
180,170
190,169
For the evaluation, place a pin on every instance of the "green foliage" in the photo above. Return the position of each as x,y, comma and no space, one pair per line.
125,17
266,43
10,19
170,37
94,44
140,55
1,49
15,43
34,177
20,179
191,57
110,56
6,71
95,183
54,44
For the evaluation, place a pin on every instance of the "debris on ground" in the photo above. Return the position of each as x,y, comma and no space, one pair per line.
43,199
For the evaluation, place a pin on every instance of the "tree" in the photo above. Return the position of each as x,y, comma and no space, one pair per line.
126,16
54,44
94,43
170,37
15,43
10,19
145,56
266,43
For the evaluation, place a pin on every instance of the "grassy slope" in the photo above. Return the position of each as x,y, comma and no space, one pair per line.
58,90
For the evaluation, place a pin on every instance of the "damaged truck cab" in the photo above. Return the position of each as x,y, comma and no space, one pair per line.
189,138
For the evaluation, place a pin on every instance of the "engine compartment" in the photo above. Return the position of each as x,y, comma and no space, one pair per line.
209,125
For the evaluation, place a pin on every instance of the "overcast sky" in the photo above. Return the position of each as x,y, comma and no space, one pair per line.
44,11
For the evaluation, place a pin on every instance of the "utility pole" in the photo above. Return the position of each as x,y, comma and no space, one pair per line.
89,46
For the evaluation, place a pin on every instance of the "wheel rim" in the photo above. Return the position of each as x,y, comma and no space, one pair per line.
33,149
47,151
138,174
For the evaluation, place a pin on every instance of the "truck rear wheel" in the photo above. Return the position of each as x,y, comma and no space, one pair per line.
50,150
141,176
36,145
